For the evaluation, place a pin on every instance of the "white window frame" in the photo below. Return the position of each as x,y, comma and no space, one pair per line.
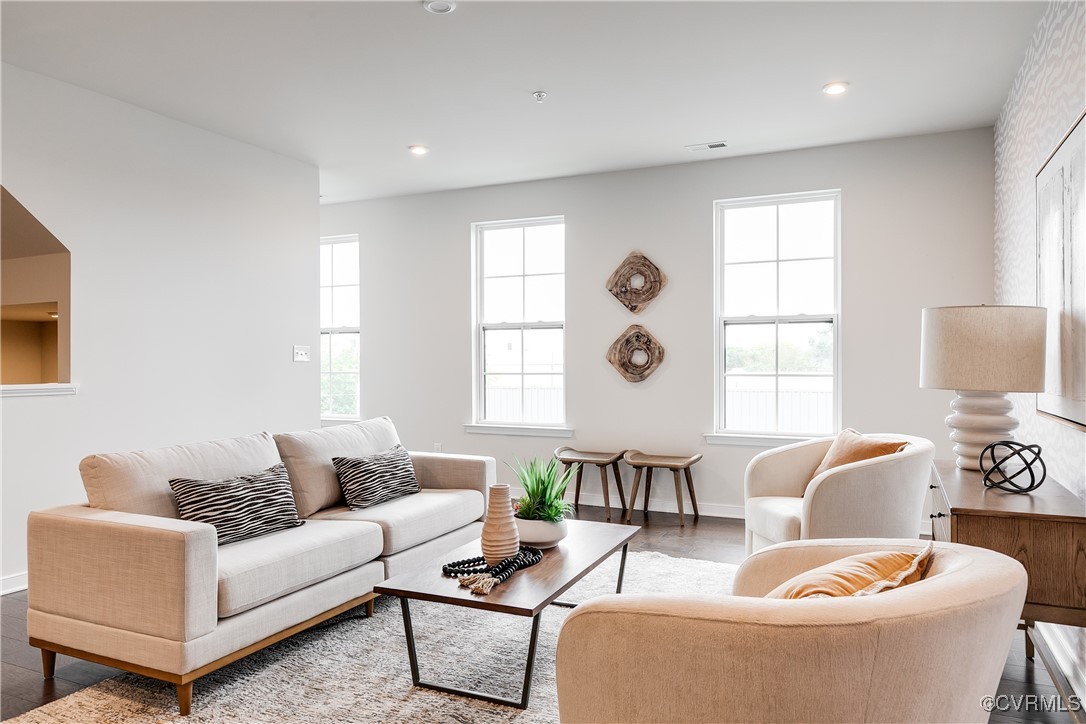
478,424
722,435
335,419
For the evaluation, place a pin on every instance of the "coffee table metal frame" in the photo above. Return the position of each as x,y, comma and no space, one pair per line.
522,703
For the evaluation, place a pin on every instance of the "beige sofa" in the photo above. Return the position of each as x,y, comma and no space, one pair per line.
926,652
123,581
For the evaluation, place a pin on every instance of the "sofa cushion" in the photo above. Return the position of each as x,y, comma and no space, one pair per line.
138,482
377,478
308,457
775,517
415,519
258,570
244,507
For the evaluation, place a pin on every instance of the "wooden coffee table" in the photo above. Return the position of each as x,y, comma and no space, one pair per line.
526,593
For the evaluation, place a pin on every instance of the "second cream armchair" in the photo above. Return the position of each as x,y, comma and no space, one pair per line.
881,497
926,652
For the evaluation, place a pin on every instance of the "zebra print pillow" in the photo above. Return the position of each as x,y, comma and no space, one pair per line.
243,507
376,478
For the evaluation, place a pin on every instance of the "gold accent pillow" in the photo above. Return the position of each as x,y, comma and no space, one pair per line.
851,447
860,575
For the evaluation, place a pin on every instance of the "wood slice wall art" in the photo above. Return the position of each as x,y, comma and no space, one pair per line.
636,353
636,282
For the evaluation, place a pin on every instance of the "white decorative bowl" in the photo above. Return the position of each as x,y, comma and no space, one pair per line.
541,533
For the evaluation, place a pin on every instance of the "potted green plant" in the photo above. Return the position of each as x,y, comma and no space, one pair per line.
541,512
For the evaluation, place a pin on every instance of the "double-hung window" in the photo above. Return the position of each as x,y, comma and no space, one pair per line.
777,314
519,325
340,337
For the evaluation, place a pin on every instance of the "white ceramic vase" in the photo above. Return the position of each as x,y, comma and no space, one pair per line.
501,539
541,533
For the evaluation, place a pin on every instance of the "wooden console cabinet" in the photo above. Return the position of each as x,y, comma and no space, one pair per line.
1044,530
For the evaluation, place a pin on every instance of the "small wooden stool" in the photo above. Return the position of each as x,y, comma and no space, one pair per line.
639,460
569,456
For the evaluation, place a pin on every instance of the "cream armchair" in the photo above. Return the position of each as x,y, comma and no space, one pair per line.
878,498
927,652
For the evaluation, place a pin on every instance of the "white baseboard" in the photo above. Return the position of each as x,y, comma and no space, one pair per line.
667,505
713,510
13,583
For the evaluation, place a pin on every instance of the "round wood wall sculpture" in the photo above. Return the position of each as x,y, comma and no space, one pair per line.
636,353
636,282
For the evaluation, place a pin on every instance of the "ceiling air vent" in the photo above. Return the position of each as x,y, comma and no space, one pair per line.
712,146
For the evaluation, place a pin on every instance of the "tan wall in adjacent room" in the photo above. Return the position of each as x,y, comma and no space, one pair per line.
44,278
50,358
27,348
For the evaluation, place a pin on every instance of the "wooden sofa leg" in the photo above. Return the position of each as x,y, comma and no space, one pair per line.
48,663
184,698
369,608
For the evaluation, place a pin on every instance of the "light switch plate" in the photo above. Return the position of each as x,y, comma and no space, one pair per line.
301,353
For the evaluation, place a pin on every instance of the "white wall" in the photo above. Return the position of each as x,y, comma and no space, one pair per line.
194,271
917,231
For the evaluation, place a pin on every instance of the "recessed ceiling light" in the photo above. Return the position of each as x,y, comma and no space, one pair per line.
418,149
439,7
835,88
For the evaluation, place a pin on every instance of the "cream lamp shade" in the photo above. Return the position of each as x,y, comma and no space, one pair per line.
982,352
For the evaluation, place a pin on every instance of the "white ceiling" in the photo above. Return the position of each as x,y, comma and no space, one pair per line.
348,86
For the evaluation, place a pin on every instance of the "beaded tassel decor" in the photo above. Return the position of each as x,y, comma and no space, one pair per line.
476,575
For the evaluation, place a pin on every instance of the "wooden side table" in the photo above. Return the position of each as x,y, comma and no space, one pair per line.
639,461
1044,530
568,456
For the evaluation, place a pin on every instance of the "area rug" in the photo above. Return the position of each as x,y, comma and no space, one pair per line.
354,669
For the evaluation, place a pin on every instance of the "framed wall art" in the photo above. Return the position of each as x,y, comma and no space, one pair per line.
1061,276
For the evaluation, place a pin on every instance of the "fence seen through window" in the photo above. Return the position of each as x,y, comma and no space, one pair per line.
777,314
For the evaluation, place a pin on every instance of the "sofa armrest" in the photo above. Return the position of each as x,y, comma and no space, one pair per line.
784,471
450,471
141,573
661,658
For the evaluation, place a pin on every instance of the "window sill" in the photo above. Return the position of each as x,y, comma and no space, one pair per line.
45,390
521,430
751,440
333,421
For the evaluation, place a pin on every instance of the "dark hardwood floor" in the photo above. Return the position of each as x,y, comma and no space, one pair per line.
22,687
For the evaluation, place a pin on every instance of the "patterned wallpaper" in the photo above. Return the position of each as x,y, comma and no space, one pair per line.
1048,95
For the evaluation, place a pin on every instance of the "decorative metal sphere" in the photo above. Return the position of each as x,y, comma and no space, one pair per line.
1002,451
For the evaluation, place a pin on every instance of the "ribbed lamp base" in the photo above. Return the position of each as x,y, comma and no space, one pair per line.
979,418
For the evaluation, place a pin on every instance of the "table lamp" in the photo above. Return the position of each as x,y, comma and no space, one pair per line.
982,353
